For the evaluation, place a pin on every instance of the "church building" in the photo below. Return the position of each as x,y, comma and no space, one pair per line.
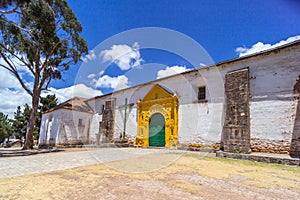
247,104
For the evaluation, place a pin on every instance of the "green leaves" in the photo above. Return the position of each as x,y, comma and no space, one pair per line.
5,127
20,121
43,35
18,125
48,102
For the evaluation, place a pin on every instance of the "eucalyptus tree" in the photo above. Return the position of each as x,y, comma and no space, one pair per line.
11,6
41,37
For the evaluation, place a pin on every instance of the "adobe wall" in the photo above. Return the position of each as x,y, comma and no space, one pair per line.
273,103
198,122
61,127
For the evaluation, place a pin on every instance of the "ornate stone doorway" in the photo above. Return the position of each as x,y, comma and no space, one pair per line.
158,104
157,130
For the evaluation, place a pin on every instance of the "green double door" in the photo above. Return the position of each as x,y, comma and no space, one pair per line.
157,130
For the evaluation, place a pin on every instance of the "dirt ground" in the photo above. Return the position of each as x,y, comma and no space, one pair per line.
188,177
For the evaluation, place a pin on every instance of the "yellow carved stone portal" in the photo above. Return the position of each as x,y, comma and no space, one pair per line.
158,100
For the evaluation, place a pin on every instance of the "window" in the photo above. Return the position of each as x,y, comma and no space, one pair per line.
80,122
103,107
50,117
201,93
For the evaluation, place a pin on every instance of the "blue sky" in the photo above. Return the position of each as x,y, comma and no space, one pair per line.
225,30
219,26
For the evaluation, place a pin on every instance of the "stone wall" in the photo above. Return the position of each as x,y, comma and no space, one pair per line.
295,143
270,146
106,128
237,121
282,159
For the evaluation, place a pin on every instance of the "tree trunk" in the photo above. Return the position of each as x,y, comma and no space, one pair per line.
31,124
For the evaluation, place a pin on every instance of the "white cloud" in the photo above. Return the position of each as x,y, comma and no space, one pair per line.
90,56
258,47
101,73
21,68
171,71
124,56
90,76
11,93
115,83
11,99
10,80
80,90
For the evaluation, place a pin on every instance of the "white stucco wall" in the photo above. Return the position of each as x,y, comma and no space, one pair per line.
62,126
198,122
94,127
272,104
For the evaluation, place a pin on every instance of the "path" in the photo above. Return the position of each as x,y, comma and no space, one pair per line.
21,165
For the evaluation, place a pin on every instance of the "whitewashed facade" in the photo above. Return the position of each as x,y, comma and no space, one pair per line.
273,103
66,125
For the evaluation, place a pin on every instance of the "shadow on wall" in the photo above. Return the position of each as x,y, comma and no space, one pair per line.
295,143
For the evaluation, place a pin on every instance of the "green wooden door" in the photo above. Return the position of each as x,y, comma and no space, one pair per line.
157,130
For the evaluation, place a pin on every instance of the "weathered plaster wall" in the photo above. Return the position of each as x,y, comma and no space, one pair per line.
272,98
63,127
94,128
43,129
199,122
272,105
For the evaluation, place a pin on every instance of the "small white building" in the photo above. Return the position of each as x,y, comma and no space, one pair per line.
245,104
67,123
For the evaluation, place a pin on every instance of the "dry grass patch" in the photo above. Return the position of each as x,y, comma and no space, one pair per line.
165,175
186,186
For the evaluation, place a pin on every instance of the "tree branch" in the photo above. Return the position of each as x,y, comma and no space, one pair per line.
11,65
60,59
47,84
44,78
15,72
5,67
20,28
49,55
19,58
10,11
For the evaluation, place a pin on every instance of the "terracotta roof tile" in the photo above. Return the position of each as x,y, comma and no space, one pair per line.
76,103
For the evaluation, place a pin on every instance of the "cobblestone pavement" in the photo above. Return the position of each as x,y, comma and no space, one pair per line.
21,165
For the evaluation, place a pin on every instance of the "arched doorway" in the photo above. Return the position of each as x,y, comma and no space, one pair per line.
159,106
157,130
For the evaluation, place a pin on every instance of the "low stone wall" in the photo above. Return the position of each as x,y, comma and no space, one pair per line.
72,143
270,146
202,147
260,158
295,147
